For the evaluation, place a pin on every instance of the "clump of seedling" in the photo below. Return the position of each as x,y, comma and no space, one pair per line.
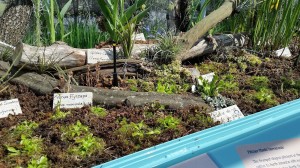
265,96
135,131
25,128
60,114
169,122
99,111
83,143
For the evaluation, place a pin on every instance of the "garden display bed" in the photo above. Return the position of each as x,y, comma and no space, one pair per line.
94,135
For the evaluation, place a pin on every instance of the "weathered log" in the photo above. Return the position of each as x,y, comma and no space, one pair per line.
189,39
62,55
43,84
211,44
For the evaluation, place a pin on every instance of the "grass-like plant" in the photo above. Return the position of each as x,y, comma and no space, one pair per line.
121,21
167,48
270,23
84,35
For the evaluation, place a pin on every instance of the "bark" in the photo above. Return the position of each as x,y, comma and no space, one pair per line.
189,39
13,23
43,84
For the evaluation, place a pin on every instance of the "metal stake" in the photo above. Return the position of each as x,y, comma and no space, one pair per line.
115,75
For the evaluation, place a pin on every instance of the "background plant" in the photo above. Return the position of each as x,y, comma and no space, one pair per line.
121,21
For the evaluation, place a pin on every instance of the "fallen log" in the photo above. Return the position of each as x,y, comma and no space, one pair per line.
62,55
211,44
69,57
44,84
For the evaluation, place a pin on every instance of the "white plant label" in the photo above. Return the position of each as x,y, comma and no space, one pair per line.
72,100
284,52
227,114
283,154
99,55
10,107
209,77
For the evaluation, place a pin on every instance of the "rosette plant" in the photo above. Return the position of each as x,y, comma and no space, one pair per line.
120,22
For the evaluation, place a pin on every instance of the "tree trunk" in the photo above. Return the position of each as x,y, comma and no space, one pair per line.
13,24
43,84
189,39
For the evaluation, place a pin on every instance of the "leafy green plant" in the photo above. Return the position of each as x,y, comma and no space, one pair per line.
41,162
12,151
26,128
74,130
32,145
137,131
60,114
229,83
121,21
265,96
168,122
99,111
87,145
210,89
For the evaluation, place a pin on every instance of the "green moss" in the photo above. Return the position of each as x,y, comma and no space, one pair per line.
258,82
146,86
229,83
205,68
99,111
253,60
133,84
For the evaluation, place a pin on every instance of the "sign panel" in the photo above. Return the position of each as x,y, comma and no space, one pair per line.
209,77
99,55
227,114
72,100
284,154
9,107
196,162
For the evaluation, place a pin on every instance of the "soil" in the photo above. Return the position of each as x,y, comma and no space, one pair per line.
283,81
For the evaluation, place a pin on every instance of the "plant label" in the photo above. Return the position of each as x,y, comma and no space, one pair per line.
10,107
284,52
227,114
209,77
72,100
284,153
139,37
99,55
